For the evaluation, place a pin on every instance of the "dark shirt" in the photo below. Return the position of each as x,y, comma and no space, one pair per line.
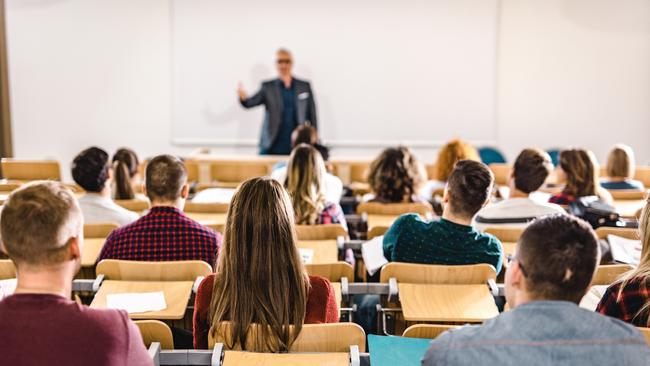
282,144
43,329
412,240
628,306
163,234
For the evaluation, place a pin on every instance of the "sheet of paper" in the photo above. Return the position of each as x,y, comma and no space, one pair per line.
625,250
214,195
307,255
7,287
592,297
372,252
141,302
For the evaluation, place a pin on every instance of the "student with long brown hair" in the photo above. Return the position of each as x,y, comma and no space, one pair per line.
304,183
395,176
260,278
629,298
125,164
579,170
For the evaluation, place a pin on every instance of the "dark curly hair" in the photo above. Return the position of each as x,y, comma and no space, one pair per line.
90,169
395,175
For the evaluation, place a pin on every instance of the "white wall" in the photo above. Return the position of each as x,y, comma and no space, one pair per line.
84,72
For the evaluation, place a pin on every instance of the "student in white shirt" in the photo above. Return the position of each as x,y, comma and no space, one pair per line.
91,170
531,169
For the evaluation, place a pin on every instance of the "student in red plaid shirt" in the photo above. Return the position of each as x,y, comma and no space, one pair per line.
629,298
165,233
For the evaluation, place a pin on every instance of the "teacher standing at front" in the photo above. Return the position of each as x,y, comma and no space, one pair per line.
289,102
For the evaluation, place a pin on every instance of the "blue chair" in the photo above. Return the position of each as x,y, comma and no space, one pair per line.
491,155
555,156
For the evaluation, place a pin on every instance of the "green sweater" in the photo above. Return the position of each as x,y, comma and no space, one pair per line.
412,240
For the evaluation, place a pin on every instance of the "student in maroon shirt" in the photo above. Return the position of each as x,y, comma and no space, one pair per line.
42,232
165,233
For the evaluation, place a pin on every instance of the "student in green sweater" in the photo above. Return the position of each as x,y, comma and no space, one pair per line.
451,239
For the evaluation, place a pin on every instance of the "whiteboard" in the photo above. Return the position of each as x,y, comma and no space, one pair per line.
382,71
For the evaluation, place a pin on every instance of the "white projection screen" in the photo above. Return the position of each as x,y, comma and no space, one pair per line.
382,71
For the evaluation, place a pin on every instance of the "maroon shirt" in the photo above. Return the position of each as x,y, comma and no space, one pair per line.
164,234
42,329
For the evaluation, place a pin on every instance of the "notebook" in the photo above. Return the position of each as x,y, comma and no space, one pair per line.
393,351
372,252
141,302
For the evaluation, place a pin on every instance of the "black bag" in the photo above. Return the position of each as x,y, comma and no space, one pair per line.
596,212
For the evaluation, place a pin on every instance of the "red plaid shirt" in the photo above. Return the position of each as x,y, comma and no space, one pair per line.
163,234
626,308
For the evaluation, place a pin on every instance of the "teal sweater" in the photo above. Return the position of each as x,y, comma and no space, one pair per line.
412,240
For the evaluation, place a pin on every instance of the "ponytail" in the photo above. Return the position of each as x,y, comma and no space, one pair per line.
124,189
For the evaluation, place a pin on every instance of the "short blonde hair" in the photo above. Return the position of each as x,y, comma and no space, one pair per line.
37,222
620,162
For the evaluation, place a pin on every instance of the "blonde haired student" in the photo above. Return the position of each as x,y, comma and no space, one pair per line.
620,169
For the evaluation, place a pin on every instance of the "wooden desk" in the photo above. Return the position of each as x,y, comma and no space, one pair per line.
90,251
325,251
628,208
446,303
508,248
177,294
231,358
381,220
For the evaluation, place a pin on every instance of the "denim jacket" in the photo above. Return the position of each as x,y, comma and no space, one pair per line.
542,333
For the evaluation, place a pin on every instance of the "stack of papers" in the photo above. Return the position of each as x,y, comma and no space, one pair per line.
625,250
307,255
137,302
592,297
7,287
372,252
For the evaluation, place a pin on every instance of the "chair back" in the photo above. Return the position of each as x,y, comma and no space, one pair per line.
238,170
326,337
628,194
201,207
237,358
7,269
136,204
643,174
646,334
29,170
99,230
376,231
427,331
627,233
155,331
332,271
471,274
395,209
505,234
320,232
609,273
122,270
501,172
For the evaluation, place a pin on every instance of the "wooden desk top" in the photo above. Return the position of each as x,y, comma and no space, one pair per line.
628,208
177,294
325,251
90,251
446,303
381,220
297,359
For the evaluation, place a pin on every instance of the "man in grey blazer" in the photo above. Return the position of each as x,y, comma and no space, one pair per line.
289,102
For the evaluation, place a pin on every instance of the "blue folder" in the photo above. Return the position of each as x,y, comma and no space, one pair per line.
394,351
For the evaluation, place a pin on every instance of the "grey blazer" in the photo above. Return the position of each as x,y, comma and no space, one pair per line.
270,95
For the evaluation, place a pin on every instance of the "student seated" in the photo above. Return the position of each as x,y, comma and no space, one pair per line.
164,233
92,171
395,176
578,170
528,174
304,183
127,176
452,152
551,270
620,169
42,232
628,299
331,185
260,278
451,239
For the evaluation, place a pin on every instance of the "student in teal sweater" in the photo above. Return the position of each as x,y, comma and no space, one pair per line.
451,239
